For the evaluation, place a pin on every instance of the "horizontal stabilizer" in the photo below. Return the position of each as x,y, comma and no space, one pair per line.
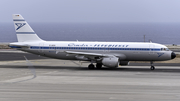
18,45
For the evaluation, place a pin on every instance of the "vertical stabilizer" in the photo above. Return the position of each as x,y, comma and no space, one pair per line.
23,31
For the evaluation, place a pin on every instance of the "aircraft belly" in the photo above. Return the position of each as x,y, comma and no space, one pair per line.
59,55
52,54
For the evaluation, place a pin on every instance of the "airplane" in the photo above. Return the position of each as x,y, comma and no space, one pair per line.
108,54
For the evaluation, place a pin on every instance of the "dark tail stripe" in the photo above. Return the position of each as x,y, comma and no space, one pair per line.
18,20
25,33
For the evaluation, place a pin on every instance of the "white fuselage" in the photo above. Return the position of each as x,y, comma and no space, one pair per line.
126,51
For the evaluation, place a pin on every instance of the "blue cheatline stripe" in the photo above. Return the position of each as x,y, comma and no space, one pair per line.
25,33
96,48
14,47
18,20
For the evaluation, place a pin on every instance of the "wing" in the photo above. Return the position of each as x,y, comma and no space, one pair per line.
93,56
86,53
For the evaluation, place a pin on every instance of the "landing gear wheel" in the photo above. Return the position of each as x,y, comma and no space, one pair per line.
152,68
99,65
91,66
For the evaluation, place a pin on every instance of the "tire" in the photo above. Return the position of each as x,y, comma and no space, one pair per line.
152,68
91,66
99,65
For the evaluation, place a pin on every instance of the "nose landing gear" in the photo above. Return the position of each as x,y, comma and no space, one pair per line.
152,67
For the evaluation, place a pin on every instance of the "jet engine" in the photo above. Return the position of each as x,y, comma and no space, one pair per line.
123,63
110,62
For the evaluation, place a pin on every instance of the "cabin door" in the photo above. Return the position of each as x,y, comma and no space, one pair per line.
41,49
151,47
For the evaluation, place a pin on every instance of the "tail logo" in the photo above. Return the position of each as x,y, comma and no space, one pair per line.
19,25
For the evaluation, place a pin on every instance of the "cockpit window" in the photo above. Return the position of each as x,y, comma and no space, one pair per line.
164,49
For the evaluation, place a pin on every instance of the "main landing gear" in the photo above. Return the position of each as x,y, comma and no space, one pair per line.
98,66
152,67
91,66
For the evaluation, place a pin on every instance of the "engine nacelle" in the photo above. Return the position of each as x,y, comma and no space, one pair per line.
111,62
123,63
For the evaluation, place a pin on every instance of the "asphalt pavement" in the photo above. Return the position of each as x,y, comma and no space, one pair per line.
45,79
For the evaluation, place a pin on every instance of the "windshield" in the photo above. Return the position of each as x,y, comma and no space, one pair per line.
164,49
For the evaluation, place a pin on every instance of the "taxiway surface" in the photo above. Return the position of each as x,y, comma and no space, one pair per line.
44,79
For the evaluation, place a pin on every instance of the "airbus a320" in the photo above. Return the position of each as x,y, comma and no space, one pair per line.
109,54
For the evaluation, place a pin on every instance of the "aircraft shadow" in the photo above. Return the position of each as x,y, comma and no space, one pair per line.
120,69
7,56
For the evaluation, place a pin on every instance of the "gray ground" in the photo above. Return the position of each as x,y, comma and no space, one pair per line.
59,80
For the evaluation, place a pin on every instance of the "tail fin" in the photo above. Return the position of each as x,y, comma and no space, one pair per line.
23,31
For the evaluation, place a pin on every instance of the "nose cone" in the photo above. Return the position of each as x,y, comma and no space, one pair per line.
173,55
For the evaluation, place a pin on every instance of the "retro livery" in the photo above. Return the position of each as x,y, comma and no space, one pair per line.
109,54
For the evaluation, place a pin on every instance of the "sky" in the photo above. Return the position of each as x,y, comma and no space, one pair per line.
92,11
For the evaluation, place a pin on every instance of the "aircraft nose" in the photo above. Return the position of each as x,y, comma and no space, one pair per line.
173,55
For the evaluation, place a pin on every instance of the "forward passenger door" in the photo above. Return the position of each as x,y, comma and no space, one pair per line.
151,51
